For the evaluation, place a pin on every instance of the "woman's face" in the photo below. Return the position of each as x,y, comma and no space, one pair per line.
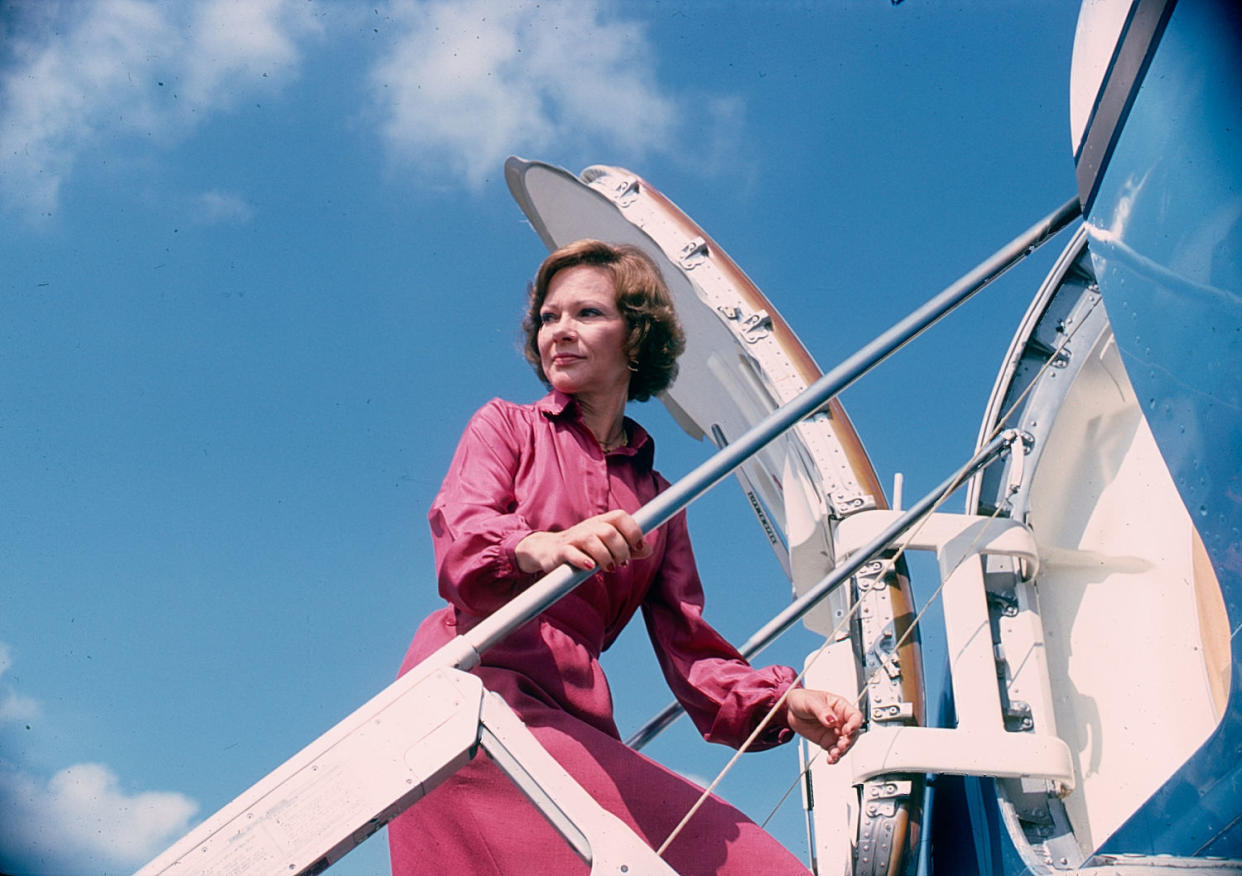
582,333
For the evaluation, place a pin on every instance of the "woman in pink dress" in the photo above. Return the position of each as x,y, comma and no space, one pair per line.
534,486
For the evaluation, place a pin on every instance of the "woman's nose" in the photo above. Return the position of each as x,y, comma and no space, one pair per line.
562,327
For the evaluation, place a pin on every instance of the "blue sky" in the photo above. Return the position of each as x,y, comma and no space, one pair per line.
261,265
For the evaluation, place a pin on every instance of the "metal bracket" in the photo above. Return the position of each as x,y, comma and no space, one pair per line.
876,619
1018,716
626,192
1004,603
897,712
750,327
621,190
756,326
693,254
851,503
881,801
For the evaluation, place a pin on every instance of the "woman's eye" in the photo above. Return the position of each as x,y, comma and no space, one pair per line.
546,318
591,311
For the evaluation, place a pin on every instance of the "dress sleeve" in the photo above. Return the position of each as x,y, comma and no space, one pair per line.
475,526
723,694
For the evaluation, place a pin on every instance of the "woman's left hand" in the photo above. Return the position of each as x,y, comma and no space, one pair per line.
830,721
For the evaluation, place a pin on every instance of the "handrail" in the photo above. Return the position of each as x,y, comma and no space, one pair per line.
556,584
801,606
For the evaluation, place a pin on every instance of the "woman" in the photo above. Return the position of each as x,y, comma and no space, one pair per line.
532,487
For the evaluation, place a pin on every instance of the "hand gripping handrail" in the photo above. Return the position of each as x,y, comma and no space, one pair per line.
552,587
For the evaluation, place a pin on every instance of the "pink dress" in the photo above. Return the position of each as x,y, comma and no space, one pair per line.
526,468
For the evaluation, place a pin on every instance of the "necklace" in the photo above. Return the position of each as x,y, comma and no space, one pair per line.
613,443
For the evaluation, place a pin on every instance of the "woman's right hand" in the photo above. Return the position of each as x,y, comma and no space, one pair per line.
608,540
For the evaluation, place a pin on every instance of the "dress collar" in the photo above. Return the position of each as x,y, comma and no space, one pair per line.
557,405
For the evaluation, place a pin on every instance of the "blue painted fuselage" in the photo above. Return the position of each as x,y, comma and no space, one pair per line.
1164,221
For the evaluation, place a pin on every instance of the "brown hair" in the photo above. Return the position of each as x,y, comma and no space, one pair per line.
655,338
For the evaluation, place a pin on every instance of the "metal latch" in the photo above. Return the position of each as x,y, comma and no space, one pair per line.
626,191
693,254
1018,716
882,795
750,327
903,712
845,504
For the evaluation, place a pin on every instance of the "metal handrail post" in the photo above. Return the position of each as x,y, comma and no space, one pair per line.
556,584
801,606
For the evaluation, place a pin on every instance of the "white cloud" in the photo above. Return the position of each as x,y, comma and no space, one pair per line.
217,207
463,84
80,820
14,707
470,82
106,70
